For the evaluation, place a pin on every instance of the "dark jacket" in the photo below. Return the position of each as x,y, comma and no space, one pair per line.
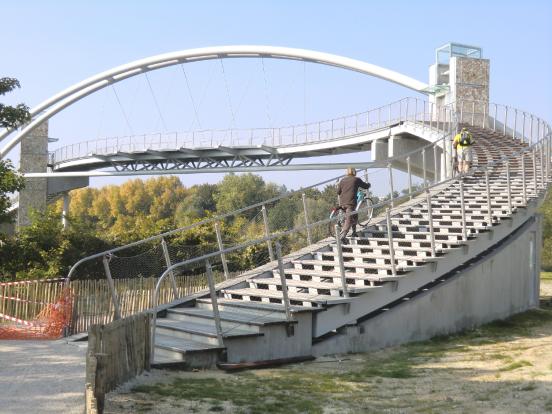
347,190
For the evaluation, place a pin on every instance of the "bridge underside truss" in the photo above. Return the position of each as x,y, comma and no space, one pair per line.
175,164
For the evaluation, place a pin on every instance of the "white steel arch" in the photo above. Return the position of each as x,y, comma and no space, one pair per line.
67,97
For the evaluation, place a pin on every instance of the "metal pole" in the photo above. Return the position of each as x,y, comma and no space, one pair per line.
435,164
430,218
309,238
488,190
541,152
340,261
214,302
444,160
221,248
111,286
505,120
523,129
535,171
285,296
495,115
523,178
169,264
515,124
409,168
431,115
267,233
509,187
463,212
484,119
424,166
390,241
391,191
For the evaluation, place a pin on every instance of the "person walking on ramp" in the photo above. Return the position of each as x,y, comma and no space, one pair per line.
347,191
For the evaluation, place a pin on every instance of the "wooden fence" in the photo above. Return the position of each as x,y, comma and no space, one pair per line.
117,352
92,301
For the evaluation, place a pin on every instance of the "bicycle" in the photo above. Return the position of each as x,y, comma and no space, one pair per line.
364,207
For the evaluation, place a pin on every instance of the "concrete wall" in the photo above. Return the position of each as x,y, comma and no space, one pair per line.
469,81
502,283
34,158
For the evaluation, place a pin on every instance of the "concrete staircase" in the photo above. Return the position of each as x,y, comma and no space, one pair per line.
251,307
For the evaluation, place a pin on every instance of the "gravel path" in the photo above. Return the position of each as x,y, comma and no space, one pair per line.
42,377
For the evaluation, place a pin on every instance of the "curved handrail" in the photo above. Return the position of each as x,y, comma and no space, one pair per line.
285,136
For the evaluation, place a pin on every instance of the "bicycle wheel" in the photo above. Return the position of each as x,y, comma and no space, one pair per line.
338,217
365,211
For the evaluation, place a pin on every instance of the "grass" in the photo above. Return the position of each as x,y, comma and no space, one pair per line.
296,389
546,276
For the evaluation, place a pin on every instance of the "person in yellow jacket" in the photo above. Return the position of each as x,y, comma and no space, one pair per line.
462,143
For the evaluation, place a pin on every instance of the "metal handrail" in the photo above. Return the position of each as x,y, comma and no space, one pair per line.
546,139
298,132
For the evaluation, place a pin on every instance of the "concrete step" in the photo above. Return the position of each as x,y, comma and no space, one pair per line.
309,287
229,319
170,350
199,332
254,308
301,299
324,275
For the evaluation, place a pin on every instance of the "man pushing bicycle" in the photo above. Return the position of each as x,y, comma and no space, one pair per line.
347,191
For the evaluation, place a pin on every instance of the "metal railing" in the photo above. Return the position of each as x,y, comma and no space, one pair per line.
308,230
541,144
427,114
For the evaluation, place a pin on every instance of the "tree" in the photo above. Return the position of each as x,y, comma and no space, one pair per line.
10,117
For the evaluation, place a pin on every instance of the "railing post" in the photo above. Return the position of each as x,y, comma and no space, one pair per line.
444,159
509,187
221,248
463,211
309,238
391,189
488,191
409,169
415,110
495,115
169,264
523,179
505,120
267,232
340,261
531,131
541,152
424,166
390,241
430,115
535,171
430,218
111,285
435,163
484,118
389,114
515,124
214,302
285,295
523,129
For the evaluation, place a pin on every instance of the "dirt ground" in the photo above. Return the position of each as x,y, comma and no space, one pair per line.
503,367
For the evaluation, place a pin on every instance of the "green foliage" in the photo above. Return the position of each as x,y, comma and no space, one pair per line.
237,191
45,250
12,116
546,210
10,181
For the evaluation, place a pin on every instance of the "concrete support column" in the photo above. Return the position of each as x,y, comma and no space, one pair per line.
34,158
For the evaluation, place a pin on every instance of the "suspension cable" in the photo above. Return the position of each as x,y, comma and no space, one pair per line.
191,96
228,94
156,103
267,98
207,85
122,110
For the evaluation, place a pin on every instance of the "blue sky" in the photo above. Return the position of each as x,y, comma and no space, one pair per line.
49,45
